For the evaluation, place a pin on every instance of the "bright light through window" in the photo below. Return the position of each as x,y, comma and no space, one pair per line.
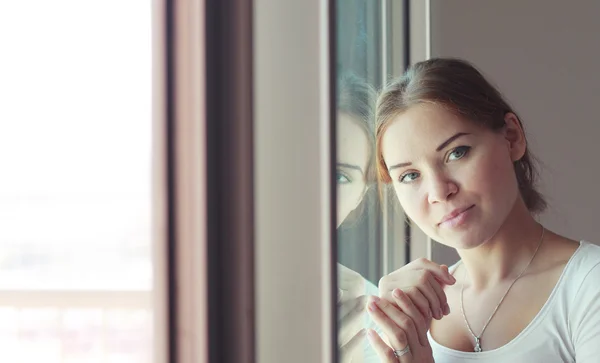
75,169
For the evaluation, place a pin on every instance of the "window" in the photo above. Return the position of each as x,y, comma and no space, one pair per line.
370,50
75,192
373,46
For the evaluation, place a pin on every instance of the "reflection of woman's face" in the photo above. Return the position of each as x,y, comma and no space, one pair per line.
440,164
352,161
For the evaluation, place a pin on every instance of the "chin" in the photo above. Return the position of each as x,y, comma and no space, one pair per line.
463,239
467,245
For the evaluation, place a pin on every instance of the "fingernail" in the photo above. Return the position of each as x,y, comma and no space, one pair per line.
446,309
397,293
440,313
429,314
373,306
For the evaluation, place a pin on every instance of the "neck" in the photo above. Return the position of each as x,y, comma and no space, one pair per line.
501,258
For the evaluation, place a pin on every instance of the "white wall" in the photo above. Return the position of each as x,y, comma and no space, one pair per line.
544,56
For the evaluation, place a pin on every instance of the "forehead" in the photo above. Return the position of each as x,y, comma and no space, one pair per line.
422,128
352,141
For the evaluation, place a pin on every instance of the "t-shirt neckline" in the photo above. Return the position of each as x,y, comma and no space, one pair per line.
535,321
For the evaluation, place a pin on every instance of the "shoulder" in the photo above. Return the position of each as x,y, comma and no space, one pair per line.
583,297
571,260
582,276
584,265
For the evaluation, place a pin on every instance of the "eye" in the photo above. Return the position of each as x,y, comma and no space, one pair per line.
408,177
458,153
342,178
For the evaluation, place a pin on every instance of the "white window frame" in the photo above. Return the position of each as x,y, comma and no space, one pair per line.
294,262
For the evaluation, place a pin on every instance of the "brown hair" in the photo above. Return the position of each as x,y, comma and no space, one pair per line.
460,88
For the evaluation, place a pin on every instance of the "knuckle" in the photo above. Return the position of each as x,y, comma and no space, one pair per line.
400,297
420,321
400,335
406,322
436,284
383,304
443,299
411,291
423,307
422,260
389,354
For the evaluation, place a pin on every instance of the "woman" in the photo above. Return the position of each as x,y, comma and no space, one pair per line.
456,155
354,175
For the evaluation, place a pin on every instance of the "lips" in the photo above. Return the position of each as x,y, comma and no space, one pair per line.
455,213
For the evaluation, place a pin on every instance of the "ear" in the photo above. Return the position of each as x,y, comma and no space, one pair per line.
515,136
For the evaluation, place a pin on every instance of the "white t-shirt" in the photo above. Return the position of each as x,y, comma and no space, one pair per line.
567,328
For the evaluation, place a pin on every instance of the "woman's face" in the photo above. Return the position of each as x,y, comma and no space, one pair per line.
352,161
455,179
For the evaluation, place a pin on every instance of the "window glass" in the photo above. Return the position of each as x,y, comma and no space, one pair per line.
75,140
371,230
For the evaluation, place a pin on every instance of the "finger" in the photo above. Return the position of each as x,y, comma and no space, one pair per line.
407,307
437,270
439,291
397,326
350,281
434,302
445,269
350,348
347,331
402,320
352,322
384,352
420,301
352,306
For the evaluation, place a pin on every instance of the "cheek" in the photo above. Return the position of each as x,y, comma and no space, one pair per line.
412,202
348,198
495,178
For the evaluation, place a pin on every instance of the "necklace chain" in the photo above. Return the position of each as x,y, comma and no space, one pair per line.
462,308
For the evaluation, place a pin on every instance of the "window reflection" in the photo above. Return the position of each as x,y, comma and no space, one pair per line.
355,150
367,241
354,176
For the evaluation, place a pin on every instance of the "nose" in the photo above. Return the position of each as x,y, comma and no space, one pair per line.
441,189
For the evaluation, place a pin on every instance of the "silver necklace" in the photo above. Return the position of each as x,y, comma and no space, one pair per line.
462,307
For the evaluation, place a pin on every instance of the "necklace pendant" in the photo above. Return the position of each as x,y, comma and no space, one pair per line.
477,345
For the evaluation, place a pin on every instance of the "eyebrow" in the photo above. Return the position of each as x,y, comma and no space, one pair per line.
447,142
355,167
439,148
